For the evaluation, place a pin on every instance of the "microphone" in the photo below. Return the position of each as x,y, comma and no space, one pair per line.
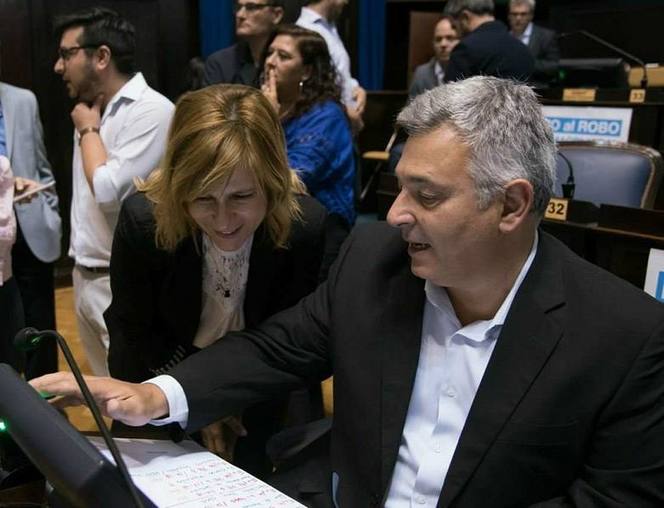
29,338
569,186
615,49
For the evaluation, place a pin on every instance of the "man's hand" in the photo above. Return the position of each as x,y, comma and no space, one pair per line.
23,185
356,123
360,98
220,437
84,115
130,403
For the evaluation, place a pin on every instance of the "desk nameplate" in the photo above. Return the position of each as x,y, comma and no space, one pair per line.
557,209
579,94
637,95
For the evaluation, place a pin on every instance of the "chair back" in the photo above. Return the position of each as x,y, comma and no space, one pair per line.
613,173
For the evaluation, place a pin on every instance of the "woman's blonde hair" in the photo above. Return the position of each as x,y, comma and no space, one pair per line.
214,131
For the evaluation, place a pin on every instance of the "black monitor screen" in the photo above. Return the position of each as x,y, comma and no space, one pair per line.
593,72
77,471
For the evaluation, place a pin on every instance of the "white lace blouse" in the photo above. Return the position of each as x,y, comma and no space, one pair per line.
224,288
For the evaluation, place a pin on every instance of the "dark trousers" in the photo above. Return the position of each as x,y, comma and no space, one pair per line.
35,282
11,321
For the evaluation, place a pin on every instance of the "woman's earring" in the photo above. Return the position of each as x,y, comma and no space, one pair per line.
301,83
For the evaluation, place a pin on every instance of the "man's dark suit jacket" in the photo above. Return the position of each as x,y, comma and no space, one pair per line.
570,408
490,50
233,65
543,45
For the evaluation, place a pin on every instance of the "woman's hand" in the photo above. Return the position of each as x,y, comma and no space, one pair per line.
269,89
22,186
220,437
131,403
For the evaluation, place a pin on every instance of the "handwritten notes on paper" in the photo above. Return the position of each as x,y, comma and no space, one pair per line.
185,475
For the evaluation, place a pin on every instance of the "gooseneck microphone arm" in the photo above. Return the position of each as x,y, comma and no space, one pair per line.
615,49
569,186
29,338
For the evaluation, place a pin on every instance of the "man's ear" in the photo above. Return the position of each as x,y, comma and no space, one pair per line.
103,56
464,20
278,15
517,204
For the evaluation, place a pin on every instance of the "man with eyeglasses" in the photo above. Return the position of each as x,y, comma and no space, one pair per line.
541,41
321,16
120,133
254,22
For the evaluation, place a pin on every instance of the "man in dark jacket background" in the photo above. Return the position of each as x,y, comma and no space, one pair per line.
486,47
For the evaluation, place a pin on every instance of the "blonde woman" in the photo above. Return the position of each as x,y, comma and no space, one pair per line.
220,239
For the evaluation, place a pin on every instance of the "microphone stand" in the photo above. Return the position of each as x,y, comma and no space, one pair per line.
569,186
94,409
615,49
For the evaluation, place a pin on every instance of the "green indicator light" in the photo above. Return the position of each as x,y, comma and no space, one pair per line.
3,426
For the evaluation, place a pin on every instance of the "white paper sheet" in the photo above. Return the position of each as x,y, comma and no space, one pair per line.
185,475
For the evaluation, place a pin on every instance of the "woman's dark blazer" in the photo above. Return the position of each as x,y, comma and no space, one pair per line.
156,305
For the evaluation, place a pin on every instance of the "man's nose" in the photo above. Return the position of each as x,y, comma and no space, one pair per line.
398,214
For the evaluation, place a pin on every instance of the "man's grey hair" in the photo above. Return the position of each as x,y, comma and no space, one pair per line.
529,3
455,7
501,121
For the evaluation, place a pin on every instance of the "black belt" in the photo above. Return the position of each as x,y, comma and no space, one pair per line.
95,269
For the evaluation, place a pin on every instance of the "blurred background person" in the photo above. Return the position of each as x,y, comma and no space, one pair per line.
321,16
39,227
221,238
486,47
120,127
432,73
542,42
300,82
240,63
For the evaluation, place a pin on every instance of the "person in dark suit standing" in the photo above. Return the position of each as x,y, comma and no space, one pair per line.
432,73
477,361
541,41
486,47
239,63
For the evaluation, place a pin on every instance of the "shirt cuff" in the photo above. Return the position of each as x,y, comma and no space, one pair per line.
178,409
105,191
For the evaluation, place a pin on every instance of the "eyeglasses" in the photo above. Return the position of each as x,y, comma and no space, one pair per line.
67,53
250,6
518,14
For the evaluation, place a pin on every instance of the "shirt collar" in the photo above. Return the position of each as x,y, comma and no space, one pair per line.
529,30
479,331
310,16
131,90
439,72
525,36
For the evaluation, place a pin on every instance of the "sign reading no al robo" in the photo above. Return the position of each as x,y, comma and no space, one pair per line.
575,123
